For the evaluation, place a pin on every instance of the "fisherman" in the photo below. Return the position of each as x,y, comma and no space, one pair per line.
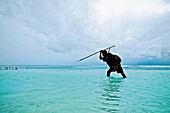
113,61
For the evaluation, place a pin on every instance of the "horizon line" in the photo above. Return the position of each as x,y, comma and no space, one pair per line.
125,65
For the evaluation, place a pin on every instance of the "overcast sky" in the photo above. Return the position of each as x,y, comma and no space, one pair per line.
60,32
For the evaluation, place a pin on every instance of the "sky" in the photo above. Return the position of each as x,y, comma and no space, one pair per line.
60,32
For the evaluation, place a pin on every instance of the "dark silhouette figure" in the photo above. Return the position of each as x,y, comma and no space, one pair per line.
113,61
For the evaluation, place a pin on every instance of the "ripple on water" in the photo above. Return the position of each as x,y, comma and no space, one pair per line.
109,97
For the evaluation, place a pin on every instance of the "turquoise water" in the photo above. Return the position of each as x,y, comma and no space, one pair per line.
84,89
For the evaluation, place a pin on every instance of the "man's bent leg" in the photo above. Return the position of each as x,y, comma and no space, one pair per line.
108,72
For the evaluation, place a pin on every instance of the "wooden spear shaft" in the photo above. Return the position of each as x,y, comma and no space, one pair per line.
94,53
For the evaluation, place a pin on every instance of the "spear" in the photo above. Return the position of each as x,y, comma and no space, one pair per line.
94,53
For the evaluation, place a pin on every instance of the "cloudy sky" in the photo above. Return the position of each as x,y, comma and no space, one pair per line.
60,32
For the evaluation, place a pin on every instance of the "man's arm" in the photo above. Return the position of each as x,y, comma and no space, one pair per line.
100,56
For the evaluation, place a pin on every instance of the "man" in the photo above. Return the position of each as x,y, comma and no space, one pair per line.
113,61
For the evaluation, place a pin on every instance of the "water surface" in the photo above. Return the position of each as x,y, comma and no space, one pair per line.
84,89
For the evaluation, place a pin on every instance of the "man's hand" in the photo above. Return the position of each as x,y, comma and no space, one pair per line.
101,51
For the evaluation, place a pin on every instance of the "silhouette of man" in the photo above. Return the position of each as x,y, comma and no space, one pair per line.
113,61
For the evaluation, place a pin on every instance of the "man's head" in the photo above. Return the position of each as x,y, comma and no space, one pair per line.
104,53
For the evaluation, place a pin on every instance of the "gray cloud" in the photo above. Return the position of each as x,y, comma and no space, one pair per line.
49,30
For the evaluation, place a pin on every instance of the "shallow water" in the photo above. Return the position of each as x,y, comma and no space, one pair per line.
84,89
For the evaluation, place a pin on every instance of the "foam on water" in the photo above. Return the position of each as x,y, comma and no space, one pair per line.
84,89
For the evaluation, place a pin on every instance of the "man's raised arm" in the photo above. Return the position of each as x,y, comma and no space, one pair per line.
100,56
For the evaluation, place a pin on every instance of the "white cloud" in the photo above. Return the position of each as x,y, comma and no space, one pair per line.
139,28
109,9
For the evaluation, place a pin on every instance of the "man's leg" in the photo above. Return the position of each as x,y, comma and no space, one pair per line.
120,70
108,72
123,74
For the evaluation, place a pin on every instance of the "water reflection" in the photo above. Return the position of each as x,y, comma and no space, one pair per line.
110,98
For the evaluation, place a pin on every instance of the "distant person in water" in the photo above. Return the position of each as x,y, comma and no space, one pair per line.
113,61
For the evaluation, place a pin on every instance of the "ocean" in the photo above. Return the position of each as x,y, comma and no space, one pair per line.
84,89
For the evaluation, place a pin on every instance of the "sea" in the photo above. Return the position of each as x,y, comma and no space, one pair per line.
84,89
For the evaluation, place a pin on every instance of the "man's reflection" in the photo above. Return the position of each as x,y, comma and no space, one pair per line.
110,97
